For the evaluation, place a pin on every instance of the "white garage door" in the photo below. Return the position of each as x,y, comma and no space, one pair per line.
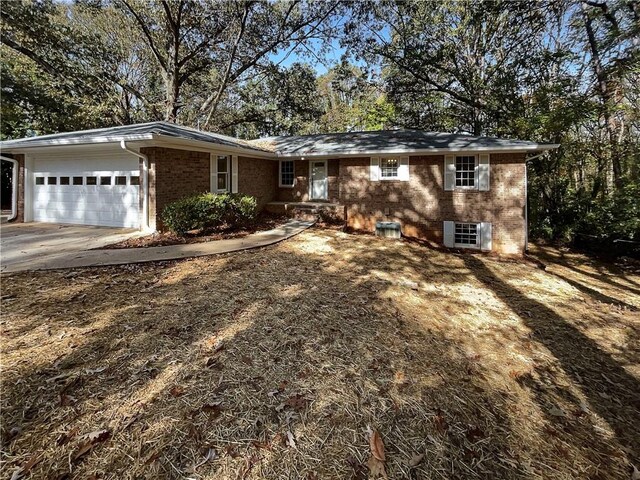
97,189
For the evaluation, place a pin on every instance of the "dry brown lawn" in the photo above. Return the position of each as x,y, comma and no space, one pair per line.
276,363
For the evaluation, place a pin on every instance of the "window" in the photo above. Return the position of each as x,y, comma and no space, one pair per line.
77,180
135,180
286,173
64,180
466,235
39,180
121,180
466,171
222,181
52,180
389,168
92,180
105,180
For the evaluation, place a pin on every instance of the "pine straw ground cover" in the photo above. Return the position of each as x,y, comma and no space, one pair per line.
275,363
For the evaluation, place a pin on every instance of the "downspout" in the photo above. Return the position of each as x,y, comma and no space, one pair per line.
145,182
14,186
526,201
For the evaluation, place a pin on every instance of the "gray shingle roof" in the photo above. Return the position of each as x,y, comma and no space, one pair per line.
352,143
390,141
129,132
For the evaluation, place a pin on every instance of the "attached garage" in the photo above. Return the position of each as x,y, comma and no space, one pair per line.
86,188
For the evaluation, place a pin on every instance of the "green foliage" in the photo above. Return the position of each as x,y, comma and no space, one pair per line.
207,211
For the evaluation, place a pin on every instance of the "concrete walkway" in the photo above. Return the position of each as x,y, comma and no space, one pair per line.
97,258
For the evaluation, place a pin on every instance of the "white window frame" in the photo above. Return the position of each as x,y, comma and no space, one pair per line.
478,234
226,174
293,167
382,167
474,171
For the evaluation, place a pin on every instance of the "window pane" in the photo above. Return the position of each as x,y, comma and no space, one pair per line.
92,180
39,180
222,181
222,164
286,173
466,234
389,167
77,180
105,180
135,180
52,180
64,180
121,180
465,171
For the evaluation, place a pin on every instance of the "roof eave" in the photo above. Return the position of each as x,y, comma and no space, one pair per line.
148,138
9,147
168,141
422,151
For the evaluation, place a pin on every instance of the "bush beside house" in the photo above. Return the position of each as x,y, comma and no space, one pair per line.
207,211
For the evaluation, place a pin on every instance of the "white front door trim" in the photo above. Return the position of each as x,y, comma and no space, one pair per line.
323,182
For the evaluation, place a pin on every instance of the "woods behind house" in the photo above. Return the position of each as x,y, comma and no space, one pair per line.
564,72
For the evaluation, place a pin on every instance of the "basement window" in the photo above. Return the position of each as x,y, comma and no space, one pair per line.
286,173
467,235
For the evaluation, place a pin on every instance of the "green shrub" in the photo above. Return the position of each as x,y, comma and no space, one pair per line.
246,207
207,211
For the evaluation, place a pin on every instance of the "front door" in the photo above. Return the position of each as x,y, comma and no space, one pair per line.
319,184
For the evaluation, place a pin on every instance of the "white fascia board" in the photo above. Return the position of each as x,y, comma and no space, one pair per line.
140,140
99,140
430,151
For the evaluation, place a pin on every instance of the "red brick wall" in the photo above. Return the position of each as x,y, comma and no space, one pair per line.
258,177
422,204
174,174
300,190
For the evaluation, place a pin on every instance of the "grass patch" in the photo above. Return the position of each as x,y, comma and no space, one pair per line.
276,362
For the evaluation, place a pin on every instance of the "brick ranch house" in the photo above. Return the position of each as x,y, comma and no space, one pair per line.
459,190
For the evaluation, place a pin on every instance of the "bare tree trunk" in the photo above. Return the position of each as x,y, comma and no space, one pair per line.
606,97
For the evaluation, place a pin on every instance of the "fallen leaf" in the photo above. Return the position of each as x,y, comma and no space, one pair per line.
376,468
22,470
557,412
291,439
440,422
93,439
416,460
176,391
213,409
64,438
635,474
297,401
377,447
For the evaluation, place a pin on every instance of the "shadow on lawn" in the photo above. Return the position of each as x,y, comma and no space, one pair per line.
286,341
609,388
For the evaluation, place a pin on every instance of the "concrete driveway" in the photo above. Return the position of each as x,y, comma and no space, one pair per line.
23,244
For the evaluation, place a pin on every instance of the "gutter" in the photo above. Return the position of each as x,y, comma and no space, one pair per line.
14,186
145,182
